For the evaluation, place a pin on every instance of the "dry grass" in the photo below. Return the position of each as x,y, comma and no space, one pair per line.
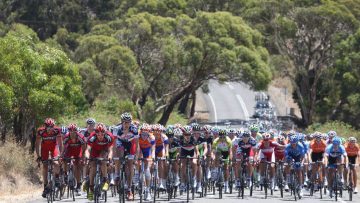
19,173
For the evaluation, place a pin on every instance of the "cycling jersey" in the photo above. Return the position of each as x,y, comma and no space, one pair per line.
48,142
73,148
295,153
200,143
126,142
160,141
85,132
318,146
257,137
97,146
187,147
174,145
146,141
352,149
279,151
334,154
221,145
267,150
244,149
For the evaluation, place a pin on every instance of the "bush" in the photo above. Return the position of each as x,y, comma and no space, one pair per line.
341,128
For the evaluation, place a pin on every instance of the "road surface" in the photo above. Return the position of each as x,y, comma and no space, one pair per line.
258,196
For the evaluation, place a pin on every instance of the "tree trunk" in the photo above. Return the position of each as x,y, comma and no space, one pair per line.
193,104
3,134
183,104
170,107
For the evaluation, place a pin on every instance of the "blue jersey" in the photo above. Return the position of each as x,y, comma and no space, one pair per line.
295,153
132,133
335,153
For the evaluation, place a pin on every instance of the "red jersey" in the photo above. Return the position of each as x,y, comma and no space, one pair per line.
74,147
97,146
49,138
267,149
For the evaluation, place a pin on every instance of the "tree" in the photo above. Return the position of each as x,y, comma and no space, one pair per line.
37,81
177,55
307,38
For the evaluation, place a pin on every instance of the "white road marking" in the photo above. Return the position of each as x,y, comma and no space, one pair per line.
214,108
243,106
342,201
230,86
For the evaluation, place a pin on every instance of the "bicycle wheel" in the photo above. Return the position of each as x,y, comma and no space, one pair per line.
231,180
336,186
252,185
320,190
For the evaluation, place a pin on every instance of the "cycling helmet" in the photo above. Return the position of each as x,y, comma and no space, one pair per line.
261,131
64,130
294,139
126,117
207,128
49,122
232,131
336,141
187,129
246,134
178,132
72,127
325,136
301,137
100,127
281,138
332,134
90,121
310,136
266,136
169,132
222,132
318,135
215,130
136,123
156,127
291,133
254,128
145,127
196,127
352,139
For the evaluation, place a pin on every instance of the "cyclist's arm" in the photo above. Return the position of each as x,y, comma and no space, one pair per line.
37,145
230,153
153,151
196,151
310,151
358,157
167,150
110,155
60,143
205,148
87,152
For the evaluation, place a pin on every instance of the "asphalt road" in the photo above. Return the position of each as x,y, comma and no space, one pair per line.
258,196
229,101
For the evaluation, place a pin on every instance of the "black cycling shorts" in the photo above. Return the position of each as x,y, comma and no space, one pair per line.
317,156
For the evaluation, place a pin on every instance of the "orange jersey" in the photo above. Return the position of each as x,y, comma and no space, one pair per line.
160,140
318,147
352,150
146,141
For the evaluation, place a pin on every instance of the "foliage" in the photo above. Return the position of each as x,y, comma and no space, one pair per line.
341,128
37,81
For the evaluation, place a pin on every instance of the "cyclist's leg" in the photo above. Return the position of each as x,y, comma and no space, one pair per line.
92,175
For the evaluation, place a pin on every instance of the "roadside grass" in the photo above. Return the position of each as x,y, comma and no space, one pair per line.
19,173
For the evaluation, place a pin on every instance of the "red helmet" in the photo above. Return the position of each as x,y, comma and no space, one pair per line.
72,127
49,122
100,127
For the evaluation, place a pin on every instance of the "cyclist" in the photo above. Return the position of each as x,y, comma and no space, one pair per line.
90,127
188,148
209,140
99,145
279,151
265,149
334,153
200,140
255,132
48,137
294,152
74,146
222,148
161,151
174,147
306,145
127,143
232,134
330,136
147,151
353,152
317,150
244,151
